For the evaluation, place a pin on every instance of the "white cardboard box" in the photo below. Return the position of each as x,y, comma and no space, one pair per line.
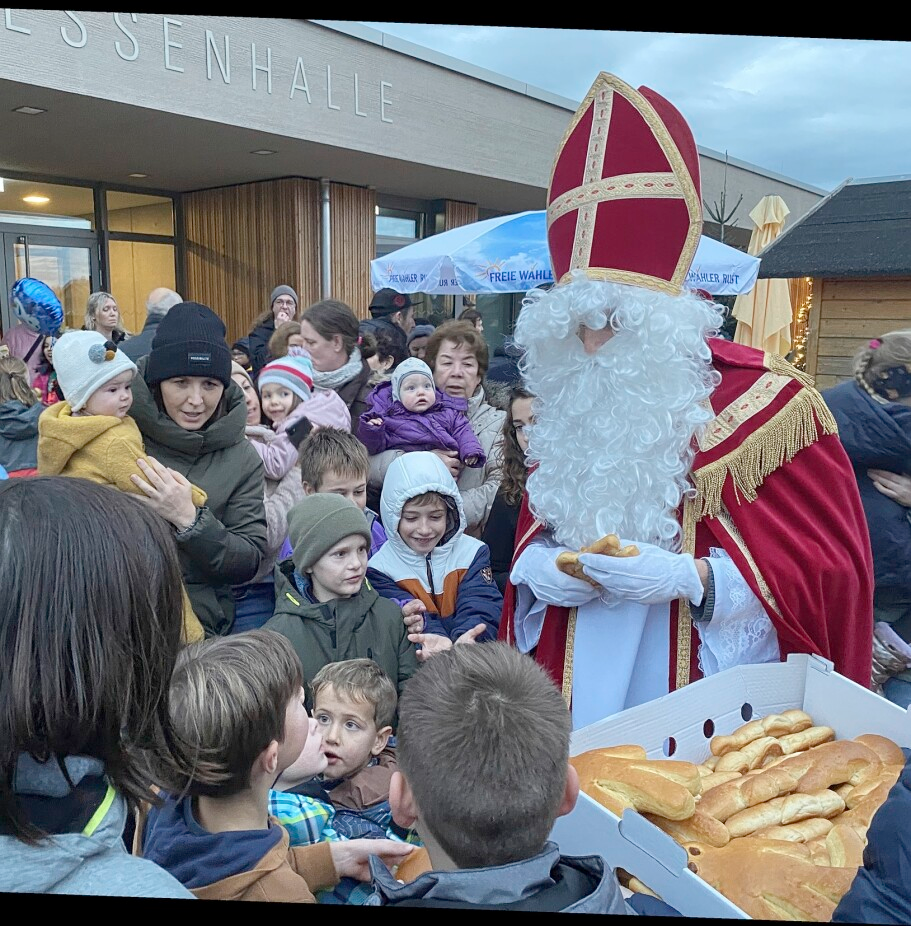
691,716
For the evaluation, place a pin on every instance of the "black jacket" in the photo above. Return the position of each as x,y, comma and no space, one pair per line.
141,344
878,437
500,535
259,345
880,892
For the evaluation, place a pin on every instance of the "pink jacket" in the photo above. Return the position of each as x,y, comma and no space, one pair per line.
324,409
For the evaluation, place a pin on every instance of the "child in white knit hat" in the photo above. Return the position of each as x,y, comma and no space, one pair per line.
90,434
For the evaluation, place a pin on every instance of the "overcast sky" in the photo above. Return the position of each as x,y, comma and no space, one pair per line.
818,110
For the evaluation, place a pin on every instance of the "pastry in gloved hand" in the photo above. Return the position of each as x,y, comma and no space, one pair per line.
607,546
655,576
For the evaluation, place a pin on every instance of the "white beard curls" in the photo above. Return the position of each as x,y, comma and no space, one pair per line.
613,433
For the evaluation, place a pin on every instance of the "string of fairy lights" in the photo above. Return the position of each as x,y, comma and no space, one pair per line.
801,328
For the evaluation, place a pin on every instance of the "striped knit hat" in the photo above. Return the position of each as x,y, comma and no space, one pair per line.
296,373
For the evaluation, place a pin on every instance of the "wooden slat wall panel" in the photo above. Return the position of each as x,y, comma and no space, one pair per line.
242,241
850,313
353,235
458,214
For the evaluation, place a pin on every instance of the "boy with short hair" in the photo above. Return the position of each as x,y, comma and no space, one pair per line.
483,751
428,557
239,703
324,606
335,461
354,705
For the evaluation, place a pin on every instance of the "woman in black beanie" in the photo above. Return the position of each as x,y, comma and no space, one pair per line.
193,419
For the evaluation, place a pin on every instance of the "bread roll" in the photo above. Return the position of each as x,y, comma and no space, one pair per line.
773,725
701,827
767,883
888,775
750,756
800,832
718,778
638,887
845,847
889,752
607,546
663,787
806,739
784,810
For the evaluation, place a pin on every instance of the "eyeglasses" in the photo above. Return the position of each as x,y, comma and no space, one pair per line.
285,303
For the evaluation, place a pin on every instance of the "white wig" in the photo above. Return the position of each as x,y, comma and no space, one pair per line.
613,434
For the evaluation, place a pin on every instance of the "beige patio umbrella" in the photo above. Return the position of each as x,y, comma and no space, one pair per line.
764,313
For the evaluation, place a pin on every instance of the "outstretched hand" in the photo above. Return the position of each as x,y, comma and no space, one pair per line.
351,857
433,643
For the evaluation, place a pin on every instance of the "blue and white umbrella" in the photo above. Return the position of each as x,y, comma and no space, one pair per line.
509,254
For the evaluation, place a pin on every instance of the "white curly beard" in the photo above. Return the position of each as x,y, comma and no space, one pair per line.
613,433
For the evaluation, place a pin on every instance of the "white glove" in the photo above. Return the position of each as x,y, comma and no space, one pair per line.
536,568
655,576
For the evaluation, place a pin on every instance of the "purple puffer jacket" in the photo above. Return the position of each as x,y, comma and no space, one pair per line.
444,426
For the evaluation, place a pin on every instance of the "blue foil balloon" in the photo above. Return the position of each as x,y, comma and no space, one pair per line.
36,304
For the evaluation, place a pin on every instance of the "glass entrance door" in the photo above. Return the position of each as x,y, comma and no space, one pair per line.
69,266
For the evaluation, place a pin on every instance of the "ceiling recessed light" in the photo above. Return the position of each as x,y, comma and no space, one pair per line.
263,151
36,199
139,176
29,110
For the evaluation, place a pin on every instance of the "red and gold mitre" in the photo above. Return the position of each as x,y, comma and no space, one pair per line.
624,201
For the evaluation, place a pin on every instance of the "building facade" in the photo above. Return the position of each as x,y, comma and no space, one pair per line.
224,155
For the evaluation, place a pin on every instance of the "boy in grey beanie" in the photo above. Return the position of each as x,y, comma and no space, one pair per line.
324,605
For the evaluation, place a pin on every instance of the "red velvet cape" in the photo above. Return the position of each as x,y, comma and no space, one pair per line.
794,527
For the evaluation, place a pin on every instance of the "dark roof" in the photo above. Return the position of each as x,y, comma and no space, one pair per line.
863,229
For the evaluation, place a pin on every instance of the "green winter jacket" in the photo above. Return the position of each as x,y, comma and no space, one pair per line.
363,627
226,545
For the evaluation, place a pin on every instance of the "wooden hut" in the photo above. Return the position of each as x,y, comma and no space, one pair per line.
850,262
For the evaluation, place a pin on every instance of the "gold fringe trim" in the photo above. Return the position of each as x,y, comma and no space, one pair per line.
684,614
771,445
567,690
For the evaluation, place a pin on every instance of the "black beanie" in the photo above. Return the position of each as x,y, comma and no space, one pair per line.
190,341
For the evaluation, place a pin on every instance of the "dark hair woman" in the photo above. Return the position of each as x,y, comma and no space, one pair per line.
330,332
500,530
193,420
873,411
90,622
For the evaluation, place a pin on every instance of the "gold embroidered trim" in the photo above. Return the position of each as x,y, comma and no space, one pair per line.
771,445
724,518
594,165
537,523
626,186
684,615
626,276
726,422
607,82
568,657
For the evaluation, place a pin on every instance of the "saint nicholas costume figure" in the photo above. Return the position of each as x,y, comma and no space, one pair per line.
719,462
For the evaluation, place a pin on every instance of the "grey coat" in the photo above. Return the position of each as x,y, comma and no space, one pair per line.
502,884
226,545
94,862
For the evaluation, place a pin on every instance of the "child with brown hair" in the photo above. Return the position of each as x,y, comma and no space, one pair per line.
19,414
483,750
238,702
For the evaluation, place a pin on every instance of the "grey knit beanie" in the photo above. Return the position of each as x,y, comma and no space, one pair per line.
318,522
284,290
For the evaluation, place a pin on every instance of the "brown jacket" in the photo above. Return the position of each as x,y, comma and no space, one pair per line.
288,874
369,786
285,873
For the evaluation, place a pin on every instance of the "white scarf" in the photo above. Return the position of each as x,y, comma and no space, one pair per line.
344,374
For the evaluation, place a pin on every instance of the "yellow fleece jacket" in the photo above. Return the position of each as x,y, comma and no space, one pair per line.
102,449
